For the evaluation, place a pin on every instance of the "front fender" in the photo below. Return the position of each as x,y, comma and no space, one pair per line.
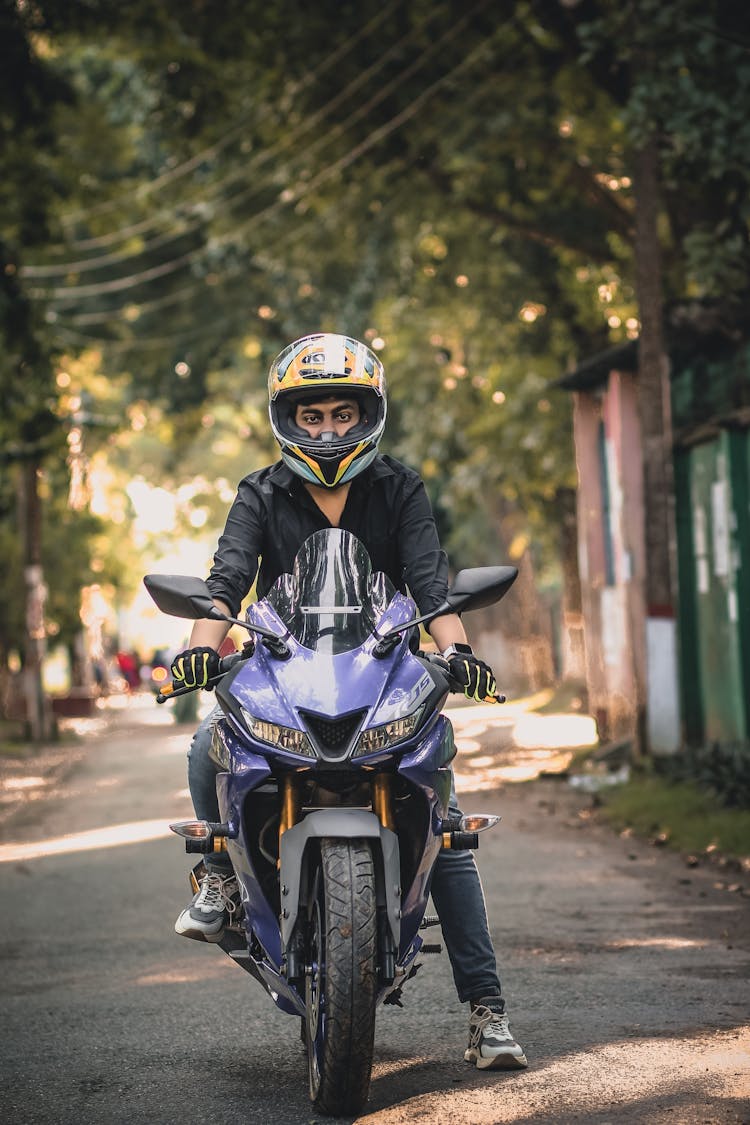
337,824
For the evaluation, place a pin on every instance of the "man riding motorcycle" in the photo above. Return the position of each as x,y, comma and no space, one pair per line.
327,407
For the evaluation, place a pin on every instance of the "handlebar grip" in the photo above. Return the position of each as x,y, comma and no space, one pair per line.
230,660
453,685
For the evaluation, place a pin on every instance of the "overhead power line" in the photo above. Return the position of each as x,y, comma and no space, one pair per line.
60,269
236,130
288,195
257,258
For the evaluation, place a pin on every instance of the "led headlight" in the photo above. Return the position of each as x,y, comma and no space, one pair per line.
285,738
387,734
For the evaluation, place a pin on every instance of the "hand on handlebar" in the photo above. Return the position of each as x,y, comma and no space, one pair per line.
475,678
178,687
195,668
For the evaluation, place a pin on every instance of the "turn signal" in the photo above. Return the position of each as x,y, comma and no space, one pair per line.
478,822
193,829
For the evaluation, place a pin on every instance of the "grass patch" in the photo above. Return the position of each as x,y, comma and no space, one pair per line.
679,814
569,696
13,741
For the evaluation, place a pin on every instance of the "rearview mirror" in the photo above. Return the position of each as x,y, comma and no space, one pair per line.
181,596
472,589
481,586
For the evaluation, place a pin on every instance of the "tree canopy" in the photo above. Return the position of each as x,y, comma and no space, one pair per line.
184,193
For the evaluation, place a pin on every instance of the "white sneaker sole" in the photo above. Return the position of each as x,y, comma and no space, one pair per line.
503,1061
189,929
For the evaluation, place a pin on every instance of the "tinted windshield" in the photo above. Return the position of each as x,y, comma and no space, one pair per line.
331,601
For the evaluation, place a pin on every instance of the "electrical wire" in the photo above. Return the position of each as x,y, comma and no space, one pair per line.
288,196
60,269
236,130
257,259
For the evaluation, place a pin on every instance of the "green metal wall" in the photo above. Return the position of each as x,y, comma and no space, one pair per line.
713,523
690,675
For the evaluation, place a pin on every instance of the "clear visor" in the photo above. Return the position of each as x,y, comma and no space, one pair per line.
332,601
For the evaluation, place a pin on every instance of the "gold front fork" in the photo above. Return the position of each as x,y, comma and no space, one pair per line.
289,806
381,800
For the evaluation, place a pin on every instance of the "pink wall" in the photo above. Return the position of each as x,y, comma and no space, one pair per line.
613,610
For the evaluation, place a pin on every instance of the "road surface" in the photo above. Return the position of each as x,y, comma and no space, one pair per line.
625,972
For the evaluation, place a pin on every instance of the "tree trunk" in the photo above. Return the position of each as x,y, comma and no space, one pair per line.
573,648
522,618
658,719
39,719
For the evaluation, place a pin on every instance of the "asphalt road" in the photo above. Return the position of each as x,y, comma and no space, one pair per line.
626,973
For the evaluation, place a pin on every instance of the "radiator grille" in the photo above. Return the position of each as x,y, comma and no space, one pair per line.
333,738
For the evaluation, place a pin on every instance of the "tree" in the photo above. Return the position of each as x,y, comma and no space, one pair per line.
230,186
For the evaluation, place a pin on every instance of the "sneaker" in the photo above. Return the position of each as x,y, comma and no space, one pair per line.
491,1045
211,908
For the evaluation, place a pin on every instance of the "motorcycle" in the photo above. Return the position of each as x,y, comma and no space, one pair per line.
333,787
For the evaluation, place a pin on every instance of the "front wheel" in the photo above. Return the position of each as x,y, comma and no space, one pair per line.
341,975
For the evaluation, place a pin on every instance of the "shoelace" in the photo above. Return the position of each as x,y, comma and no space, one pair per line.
489,1023
216,894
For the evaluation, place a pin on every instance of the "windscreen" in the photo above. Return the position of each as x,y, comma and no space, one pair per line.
332,601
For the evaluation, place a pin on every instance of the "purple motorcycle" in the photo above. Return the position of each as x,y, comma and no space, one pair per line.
333,792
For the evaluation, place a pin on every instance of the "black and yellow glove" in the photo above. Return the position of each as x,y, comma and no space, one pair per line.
475,677
195,667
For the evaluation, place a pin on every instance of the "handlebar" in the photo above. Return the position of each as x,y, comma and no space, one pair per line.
169,691
453,685
226,663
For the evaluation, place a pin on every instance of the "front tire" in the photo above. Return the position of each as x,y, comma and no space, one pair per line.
341,976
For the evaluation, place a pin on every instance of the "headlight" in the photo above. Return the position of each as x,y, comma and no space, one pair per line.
388,734
285,738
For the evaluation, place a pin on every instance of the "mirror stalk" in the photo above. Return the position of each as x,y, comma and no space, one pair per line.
272,641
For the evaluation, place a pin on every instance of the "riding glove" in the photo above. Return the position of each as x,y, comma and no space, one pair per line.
195,667
475,677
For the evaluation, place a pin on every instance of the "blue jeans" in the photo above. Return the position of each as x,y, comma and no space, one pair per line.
456,887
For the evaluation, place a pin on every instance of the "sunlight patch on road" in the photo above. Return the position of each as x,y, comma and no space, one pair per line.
658,943
647,1079
467,745
136,832
486,772
555,731
17,783
207,969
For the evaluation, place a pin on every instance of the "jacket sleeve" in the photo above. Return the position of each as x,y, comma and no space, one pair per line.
235,563
424,563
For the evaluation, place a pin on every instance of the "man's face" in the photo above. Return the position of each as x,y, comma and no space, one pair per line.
327,416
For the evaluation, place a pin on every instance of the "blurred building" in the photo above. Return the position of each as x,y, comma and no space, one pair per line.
710,392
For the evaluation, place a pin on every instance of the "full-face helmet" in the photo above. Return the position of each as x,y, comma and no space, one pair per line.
321,367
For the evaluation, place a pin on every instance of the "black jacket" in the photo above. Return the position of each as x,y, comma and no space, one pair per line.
273,514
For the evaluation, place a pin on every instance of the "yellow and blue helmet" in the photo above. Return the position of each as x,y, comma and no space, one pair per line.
325,366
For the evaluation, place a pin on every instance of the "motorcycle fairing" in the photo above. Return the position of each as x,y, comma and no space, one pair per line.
331,666
326,684
232,789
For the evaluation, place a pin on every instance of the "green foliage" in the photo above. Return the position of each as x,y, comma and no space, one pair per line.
456,183
680,72
679,814
721,769
68,539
